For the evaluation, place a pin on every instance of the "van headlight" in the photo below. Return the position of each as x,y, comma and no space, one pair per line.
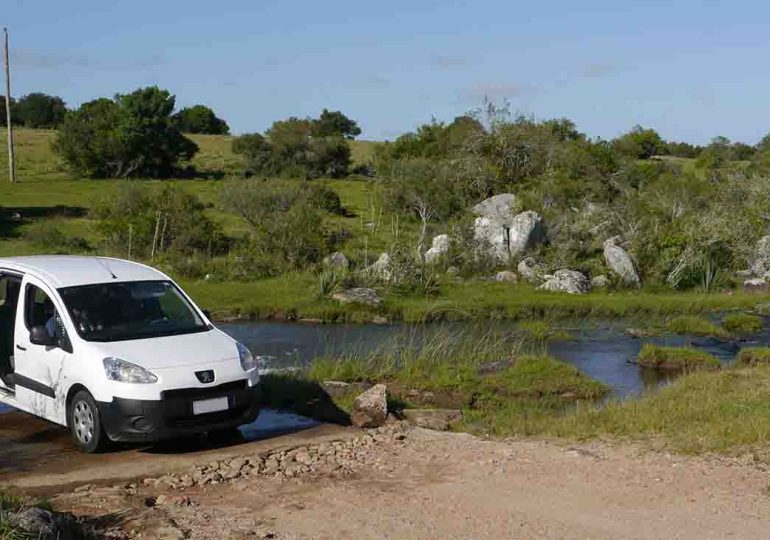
248,362
122,371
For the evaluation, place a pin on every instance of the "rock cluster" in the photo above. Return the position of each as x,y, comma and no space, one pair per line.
336,459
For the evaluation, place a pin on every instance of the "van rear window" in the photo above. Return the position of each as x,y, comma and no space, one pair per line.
130,310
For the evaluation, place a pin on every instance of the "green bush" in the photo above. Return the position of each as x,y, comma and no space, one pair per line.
742,323
159,220
753,356
675,358
200,119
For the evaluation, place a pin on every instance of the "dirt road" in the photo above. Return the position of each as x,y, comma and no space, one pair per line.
423,484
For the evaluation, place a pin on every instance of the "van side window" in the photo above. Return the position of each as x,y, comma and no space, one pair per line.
39,310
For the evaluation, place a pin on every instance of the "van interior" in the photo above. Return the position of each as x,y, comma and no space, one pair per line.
10,286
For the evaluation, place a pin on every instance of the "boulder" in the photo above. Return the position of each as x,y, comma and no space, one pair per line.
508,237
435,419
760,263
499,207
529,270
600,281
507,276
526,231
620,263
358,295
439,246
336,261
336,389
370,409
756,285
568,281
380,269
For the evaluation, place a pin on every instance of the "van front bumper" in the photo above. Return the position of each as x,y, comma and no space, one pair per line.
172,416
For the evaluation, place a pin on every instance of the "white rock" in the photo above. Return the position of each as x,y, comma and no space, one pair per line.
336,261
600,281
370,409
568,281
620,263
380,269
439,246
507,275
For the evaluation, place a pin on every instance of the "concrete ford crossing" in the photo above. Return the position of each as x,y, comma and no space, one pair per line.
116,351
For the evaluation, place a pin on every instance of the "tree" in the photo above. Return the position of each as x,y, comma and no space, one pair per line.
200,119
38,110
131,135
290,149
335,124
640,143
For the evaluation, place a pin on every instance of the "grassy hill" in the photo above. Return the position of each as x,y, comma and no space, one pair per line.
45,192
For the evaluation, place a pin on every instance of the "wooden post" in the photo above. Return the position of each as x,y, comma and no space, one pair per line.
11,165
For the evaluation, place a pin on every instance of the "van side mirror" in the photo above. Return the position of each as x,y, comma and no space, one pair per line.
38,335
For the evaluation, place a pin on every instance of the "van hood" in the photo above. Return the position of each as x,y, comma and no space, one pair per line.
194,349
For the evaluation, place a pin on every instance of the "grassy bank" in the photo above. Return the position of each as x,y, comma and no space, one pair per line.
294,297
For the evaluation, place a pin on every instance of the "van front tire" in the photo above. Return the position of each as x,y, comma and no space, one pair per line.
85,424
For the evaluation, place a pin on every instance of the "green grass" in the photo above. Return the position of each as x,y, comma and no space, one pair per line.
675,358
752,356
742,323
295,296
11,503
695,326
721,412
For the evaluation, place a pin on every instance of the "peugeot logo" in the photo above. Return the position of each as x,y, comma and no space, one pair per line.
205,376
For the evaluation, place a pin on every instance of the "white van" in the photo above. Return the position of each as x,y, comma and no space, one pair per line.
115,350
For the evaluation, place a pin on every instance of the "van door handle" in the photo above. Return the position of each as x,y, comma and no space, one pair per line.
21,348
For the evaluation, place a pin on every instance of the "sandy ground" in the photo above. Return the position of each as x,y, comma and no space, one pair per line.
442,485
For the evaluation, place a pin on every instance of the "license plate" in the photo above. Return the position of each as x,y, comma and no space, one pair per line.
210,405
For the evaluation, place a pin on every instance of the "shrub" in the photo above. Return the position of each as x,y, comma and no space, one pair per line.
742,323
752,356
675,358
132,135
160,220
286,228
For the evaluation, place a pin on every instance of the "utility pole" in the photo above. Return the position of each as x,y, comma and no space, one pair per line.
11,166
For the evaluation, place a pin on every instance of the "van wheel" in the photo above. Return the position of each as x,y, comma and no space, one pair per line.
86,424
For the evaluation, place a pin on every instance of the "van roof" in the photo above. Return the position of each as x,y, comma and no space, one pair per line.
72,270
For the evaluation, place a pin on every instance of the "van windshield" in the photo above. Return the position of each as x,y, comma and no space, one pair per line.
130,310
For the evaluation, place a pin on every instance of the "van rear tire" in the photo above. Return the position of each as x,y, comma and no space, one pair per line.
85,424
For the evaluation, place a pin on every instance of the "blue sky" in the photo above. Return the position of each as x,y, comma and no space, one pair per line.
691,70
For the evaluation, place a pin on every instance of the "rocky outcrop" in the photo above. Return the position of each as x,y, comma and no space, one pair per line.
529,270
358,295
503,235
370,409
507,276
439,246
336,261
568,281
620,263
435,419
